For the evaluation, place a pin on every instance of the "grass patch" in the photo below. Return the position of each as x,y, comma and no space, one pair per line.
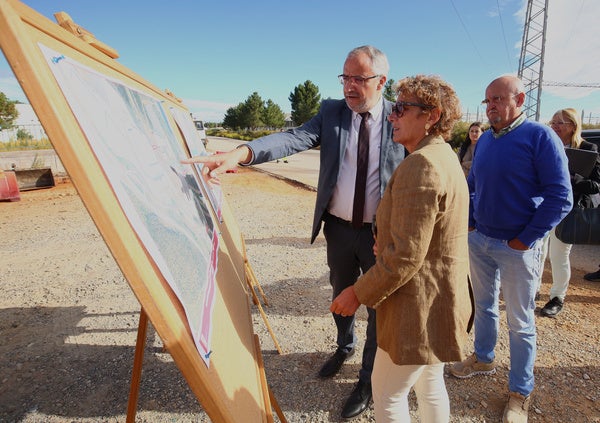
26,144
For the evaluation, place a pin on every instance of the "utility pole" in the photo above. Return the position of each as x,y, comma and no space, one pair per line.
531,60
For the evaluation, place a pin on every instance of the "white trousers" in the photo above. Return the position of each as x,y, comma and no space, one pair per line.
558,252
392,383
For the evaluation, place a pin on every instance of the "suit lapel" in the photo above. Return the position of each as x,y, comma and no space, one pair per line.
346,121
386,132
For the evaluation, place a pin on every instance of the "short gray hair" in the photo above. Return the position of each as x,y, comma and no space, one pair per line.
379,60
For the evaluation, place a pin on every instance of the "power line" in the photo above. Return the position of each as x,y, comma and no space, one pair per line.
504,35
572,84
466,30
575,22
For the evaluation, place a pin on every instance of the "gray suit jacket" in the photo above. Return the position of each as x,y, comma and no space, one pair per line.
330,130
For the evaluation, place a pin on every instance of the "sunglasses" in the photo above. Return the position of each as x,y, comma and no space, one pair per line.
400,106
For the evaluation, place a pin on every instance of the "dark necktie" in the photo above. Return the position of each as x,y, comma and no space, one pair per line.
362,164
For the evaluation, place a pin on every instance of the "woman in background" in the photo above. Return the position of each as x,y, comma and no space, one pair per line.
567,125
465,154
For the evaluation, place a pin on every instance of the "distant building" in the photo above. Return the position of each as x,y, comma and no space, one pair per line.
289,123
27,121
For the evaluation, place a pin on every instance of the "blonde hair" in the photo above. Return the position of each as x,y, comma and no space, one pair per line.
572,116
433,91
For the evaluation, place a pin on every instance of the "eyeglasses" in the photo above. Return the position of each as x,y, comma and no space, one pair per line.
551,123
496,99
358,80
400,106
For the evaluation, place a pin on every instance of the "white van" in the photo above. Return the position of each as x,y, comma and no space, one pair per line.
201,131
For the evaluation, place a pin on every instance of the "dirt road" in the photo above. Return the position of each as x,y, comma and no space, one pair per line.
68,323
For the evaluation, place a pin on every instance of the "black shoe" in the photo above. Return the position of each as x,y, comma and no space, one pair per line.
358,401
592,277
552,307
334,363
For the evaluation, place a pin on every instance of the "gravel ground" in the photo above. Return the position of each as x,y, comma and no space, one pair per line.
68,323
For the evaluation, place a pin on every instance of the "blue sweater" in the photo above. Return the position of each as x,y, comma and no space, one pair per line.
519,183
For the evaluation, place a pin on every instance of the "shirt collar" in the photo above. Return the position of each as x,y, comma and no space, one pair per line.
510,127
376,111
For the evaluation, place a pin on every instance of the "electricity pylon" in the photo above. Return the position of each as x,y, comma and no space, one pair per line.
531,60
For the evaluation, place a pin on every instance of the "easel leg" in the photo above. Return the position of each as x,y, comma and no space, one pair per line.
272,401
276,406
264,315
252,277
254,281
136,372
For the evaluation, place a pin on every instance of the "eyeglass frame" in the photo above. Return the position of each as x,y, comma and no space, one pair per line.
497,99
399,107
357,79
560,123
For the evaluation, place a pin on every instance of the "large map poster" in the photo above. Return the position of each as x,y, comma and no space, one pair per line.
140,154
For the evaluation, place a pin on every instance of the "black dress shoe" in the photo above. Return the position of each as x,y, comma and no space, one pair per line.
358,401
552,307
334,363
592,277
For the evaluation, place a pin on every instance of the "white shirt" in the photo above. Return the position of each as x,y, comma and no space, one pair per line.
342,199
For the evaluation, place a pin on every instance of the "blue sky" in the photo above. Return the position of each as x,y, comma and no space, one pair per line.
214,54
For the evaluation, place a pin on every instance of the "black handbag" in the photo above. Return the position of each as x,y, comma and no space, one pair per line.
580,226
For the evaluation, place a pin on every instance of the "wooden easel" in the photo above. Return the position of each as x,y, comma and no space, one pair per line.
27,38
136,374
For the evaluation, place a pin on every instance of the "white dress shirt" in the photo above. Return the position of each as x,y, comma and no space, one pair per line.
343,194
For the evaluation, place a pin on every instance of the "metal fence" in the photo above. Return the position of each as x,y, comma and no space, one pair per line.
35,130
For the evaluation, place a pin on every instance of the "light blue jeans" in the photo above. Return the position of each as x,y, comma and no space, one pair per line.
493,265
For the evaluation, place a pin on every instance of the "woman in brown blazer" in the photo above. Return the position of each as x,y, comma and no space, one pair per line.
419,284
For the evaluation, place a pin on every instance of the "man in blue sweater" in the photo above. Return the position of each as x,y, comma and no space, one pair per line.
520,189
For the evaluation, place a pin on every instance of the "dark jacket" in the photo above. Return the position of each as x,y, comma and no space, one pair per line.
586,190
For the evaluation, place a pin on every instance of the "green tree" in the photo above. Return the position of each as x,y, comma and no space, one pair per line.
305,100
232,118
459,134
23,134
8,112
273,116
388,90
252,112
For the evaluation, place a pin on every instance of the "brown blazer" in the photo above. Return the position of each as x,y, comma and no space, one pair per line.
419,284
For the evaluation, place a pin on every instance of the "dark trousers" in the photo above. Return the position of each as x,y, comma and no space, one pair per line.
350,252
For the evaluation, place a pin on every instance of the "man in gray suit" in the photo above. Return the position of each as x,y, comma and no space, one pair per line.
347,227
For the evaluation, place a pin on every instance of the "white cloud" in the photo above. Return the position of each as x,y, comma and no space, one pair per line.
207,111
572,46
